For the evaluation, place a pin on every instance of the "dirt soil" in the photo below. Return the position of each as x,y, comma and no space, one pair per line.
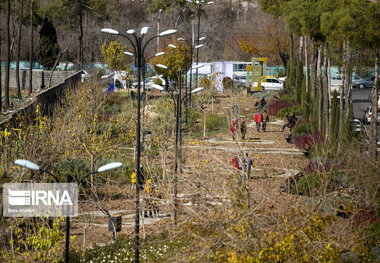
208,164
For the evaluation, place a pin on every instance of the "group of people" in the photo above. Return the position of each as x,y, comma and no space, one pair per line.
235,126
261,119
242,164
151,194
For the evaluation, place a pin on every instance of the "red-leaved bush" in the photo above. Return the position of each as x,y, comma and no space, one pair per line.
274,107
304,141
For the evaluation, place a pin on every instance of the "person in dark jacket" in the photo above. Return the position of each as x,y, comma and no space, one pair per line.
264,120
243,129
291,122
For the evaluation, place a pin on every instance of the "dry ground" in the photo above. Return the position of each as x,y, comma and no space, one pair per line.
204,178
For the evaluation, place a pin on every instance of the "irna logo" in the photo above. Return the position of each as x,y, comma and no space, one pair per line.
40,199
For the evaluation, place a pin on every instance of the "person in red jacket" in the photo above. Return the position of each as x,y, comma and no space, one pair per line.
258,120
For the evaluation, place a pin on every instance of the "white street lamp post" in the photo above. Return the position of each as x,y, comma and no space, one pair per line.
32,166
139,52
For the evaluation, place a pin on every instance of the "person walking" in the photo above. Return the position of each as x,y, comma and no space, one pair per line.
262,104
243,129
264,120
248,165
291,122
235,162
133,179
257,120
233,128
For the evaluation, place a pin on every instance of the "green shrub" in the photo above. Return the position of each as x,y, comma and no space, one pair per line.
296,109
193,116
77,167
114,108
287,97
113,98
302,127
215,122
308,185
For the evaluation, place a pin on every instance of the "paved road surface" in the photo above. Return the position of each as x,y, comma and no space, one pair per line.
360,103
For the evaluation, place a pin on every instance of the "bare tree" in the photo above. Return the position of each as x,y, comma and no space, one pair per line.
31,48
373,137
21,14
7,54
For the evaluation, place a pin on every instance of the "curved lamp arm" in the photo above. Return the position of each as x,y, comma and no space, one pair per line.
32,166
164,33
101,169
115,32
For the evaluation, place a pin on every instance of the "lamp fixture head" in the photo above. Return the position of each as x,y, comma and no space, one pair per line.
27,164
110,31
109,166
168,32
162,66
145,30
131,31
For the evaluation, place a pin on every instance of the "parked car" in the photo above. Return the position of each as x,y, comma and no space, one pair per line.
336,81
358,125
148,82
368,115
365,83
270,84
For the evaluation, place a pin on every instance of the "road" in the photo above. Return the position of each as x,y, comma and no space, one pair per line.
360,103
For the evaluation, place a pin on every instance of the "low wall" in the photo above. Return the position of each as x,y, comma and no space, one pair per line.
47,99
39,77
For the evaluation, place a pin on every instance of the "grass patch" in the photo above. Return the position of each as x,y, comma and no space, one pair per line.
153,249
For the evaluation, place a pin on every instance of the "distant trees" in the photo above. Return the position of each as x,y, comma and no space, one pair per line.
48,48
69,15
338,31
272,43
113,55
177,59
7,53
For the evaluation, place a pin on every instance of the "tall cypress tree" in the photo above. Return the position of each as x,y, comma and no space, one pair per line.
48,48
299,78
334,127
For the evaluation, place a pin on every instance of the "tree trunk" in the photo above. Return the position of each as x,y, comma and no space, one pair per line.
326,105
31,49
291,46
320,88
7,55
329,87
373,137
283,58
313,75
307,67
80,36
18,51
57,61
341,113
1,83
300,49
